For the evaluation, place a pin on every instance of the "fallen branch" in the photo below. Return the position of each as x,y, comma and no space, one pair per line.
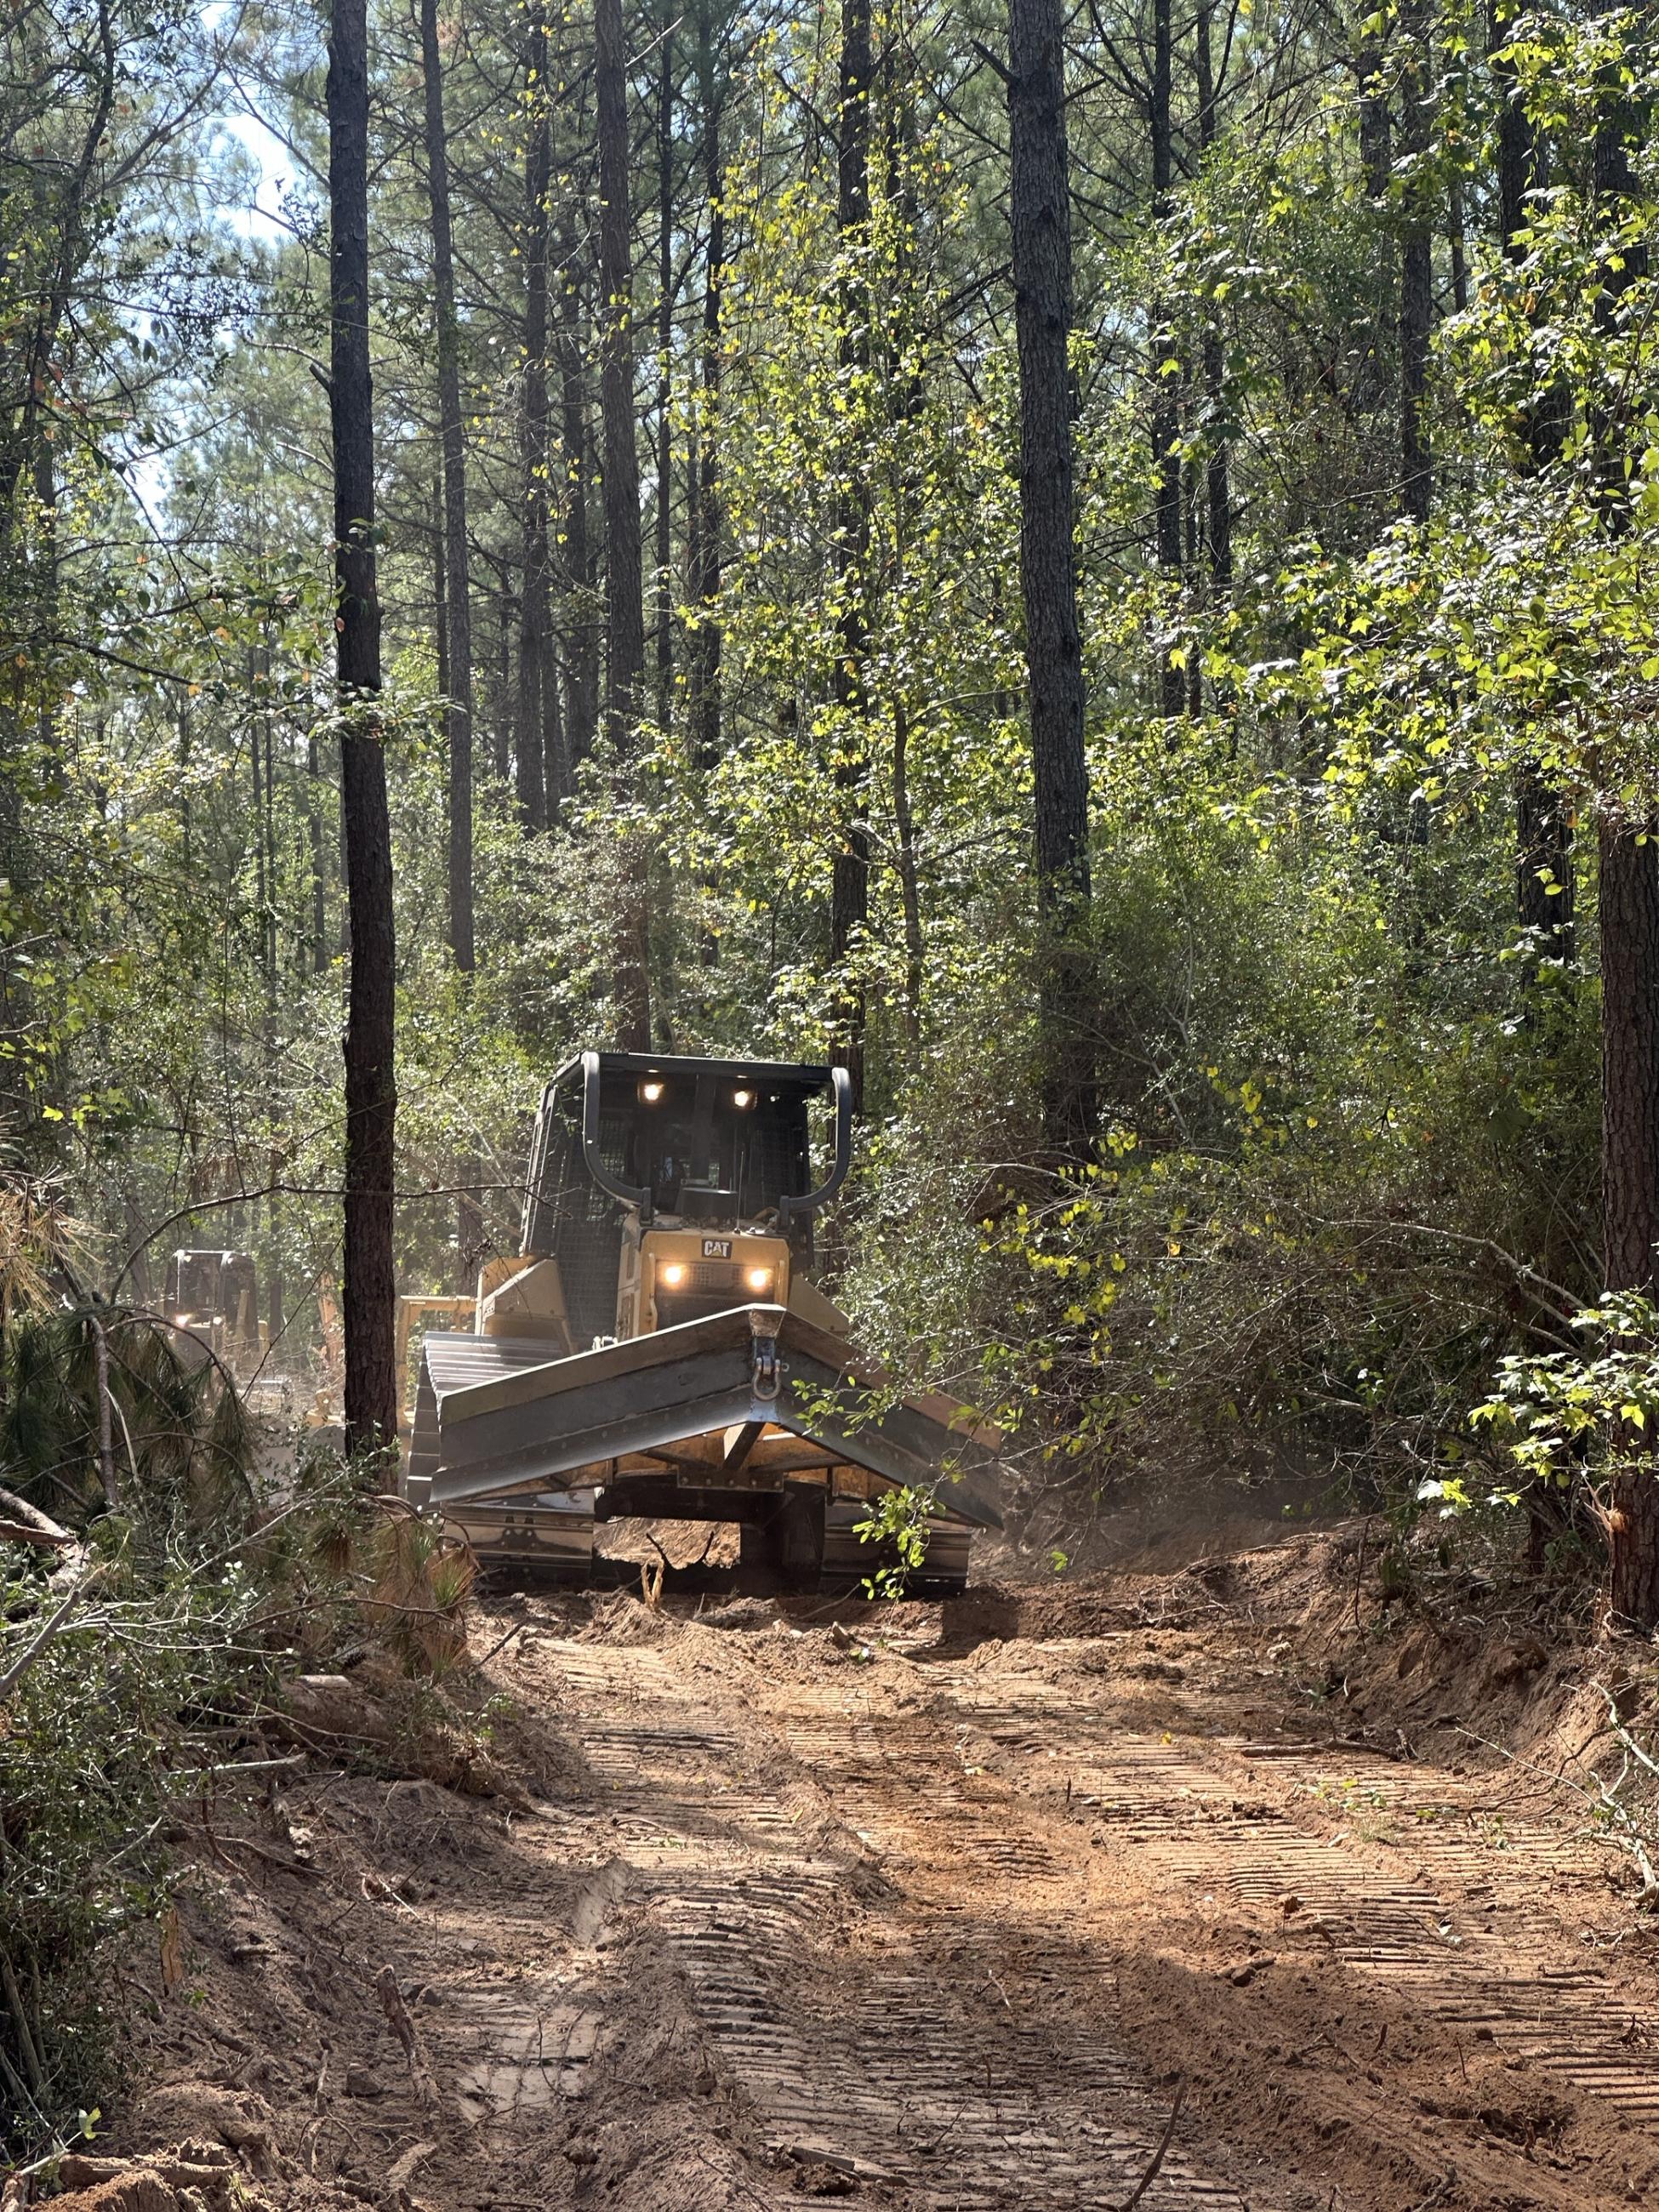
18,1532
286,1864
397,2012
172,2170
25,1658
501,1641
1158,2155
402,2171
29,1523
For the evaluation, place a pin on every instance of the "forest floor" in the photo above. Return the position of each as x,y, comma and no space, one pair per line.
911,1906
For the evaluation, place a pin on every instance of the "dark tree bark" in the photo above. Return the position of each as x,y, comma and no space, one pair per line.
849,887
1545,899
1630,1055
1630,963
1166,412
1376,118
1217,466
624,589
452,431
904,822
439,587
1192,553
1041,225
1457,245
905,382
1371,67
541,780
664,610
47,579
1543,828
624,582
704,548
505,604
369,1294
318,864
1519,151
1416,264
582,644
1630,1168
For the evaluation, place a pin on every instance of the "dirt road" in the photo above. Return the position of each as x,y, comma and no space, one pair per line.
931,1912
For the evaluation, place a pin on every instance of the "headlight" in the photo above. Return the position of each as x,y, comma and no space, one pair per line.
673,1274
651,1092
742,1098
758,1279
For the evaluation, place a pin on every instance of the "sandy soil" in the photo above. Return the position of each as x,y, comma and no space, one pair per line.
980,1906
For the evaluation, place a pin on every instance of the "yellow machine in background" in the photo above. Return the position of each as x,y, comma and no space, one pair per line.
213,1299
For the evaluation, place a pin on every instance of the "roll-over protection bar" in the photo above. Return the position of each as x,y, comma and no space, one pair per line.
841,1083
630,1194
639,1195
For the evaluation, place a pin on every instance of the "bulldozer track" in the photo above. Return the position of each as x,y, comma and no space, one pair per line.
922,2069
942,2065
771,1909
1195,1825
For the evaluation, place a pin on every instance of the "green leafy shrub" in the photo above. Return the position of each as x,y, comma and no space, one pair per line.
1567,1420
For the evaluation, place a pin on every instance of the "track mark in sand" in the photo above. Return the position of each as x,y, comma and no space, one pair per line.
517,2048
1199,1827
870,2033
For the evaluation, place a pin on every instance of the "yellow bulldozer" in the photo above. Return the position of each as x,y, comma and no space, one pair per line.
213,1299
659,1349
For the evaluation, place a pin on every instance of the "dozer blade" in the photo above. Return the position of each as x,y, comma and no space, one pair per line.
719,1420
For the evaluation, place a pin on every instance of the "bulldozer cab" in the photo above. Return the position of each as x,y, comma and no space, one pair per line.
668,1188
215,1296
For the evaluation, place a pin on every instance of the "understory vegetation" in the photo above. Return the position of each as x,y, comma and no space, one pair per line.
156,1619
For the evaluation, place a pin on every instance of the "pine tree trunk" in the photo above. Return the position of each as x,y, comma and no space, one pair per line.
1041,225
1457,245
440,585
1218,467
1543,830
624,581
1517,144
1416,264
541,780
1376,160
904,823
452,431
849,887
1376,119
705,546
369,1293
664,375
1629,1165
319,866
624,589
1545,890
1166,416
581,647
1630,963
